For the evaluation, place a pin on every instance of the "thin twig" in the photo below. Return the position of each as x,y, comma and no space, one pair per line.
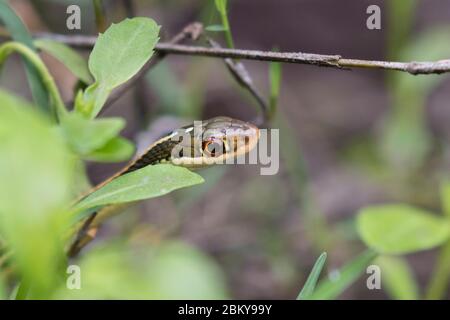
242,76
77,243
334,61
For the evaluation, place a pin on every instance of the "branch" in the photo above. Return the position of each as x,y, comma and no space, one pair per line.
334,61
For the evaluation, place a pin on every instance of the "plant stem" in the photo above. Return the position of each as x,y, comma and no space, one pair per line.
99,16
8,48
439,281
226,25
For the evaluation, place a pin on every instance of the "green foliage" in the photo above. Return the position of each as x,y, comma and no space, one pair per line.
397,278
140,184
173,96
67,56
115,150
58,109
118,54
400,229
333,287
406,140
182,272
311,282
91,138
38,161
108,273
170,271
19,33
275,85
35,175
216,28
439,281
221,6
441,274
400,18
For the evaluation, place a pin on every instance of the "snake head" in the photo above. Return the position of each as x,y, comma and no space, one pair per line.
218,140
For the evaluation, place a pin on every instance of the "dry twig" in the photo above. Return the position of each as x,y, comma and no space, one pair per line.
333,61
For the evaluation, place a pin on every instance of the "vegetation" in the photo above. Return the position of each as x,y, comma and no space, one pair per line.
45,145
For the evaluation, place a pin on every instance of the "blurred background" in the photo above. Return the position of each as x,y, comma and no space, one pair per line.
348,138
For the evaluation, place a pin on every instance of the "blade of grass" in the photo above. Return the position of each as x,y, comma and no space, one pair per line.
221,6
311,282
440,279
399,281
441,273
331,289
275,84
19,33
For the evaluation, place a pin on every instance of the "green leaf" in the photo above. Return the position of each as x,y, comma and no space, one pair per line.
85,135
118,55
148,182
35,178
333,287
310,283
116,150
19,33
170,271
397,278
216,28
400,229
67,56
179,271
109,272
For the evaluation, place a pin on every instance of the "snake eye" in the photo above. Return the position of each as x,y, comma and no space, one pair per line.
213,148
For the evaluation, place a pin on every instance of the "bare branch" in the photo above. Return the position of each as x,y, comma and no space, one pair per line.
334,61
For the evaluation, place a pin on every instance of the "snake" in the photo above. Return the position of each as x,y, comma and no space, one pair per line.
219,140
